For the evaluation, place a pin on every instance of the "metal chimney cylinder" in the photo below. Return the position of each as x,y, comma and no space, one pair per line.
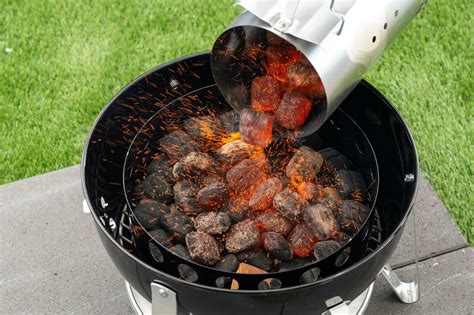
340,38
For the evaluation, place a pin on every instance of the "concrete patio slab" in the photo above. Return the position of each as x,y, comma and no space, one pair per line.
436,231
52,260
446,287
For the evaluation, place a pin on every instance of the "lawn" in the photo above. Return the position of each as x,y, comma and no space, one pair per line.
61,61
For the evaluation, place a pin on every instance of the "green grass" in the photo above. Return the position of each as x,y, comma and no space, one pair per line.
70,57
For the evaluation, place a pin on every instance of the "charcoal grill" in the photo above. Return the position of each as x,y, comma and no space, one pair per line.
368,129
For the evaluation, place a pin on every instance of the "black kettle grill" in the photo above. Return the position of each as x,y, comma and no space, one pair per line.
366,128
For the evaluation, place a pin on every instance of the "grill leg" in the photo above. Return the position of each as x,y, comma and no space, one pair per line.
356,307
163,300
407,292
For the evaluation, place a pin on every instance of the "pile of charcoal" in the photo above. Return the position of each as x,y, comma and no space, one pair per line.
284,95
210,197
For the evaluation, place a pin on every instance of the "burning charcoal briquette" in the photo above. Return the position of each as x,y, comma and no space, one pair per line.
331,199
162,166
181,251
301,240
304,78
353,215
278,60
293,110
256,127
185,196
335,159
331,192
228,263
309,191
331,203
262,198
277,246
140,188
290,204
148,213
272,221
304,165
203,248
177,224
236,209
325,249
211,178
230,121
242,236
256,258
161,237
178,144
265,93
349,183
213,195
235,151
321,222
193,166
246,176
212,223
302,73
155,187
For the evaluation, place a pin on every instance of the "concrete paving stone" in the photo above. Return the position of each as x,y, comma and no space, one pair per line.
446,287
52,261
51,258
436,231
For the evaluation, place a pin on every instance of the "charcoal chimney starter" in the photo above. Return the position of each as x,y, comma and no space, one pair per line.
340,39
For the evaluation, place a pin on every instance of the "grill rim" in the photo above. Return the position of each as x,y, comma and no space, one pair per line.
322,281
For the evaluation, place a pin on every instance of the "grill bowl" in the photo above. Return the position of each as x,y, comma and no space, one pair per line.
102,173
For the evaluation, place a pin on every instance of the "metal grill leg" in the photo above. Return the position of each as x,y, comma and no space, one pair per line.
407,292
163,300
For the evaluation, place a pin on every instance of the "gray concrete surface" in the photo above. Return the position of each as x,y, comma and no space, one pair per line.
446,287
52,261
435,228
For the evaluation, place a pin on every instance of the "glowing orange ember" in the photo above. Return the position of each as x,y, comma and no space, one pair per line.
279,59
